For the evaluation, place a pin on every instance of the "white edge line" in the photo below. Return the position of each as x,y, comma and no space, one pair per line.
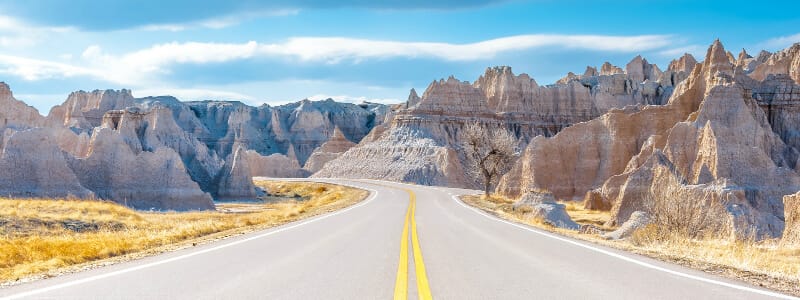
160,262
625,258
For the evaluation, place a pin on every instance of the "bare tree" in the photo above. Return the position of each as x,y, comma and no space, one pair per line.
489,152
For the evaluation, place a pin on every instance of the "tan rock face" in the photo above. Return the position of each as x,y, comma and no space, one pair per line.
16,114
497,99
582,157
639,70
235,180
85,110
718,146
274,165
786,61
34,166
113,171
609,69
729,155
330,150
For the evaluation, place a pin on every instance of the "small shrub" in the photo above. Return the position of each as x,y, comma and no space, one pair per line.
649,235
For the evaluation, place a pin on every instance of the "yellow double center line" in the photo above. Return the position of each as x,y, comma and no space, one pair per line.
401,283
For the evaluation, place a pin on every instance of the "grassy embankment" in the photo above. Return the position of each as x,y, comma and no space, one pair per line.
765,263
38,236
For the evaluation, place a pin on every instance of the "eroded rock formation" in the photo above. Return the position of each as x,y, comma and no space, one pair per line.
164,154
330,150
33,165
140,179
723,146
420,143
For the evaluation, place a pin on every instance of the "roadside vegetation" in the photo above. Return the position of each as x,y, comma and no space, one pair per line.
48,236
764,263
490,153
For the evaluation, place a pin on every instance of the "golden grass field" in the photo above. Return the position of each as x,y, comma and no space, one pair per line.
43,235
765,263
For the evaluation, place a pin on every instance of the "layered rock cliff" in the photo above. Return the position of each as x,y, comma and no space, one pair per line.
421,143
723,145
85,110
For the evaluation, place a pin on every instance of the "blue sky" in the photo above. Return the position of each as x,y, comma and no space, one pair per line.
352,50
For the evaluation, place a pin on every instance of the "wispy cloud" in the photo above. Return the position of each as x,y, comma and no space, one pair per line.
147,64
16,33
695,50
780,42
34,69
117,15
337,49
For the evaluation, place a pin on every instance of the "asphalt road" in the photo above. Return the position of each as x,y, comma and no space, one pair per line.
358,253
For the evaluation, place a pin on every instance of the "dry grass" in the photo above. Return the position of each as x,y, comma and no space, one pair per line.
41,235
587,216
763,263
764,257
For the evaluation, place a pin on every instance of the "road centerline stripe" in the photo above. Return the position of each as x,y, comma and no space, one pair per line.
423,288
401,283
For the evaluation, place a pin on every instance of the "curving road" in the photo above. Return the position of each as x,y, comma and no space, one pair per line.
451,252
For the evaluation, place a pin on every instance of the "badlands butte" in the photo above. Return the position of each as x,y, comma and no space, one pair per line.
722,134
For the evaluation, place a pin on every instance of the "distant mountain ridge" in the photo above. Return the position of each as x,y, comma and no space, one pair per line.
114,143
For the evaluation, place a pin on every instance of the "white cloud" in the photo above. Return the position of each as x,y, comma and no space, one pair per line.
16,33
142,66
34,69
695,50
336,49
782,42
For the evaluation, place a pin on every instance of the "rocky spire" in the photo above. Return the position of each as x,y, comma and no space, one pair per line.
743,55
413,98
608,69
683,64
717,60
590,71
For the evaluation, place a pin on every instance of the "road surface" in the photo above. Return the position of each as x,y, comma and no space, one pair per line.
394,246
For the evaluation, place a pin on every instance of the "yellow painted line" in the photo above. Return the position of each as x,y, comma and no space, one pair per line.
401,283
423,288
